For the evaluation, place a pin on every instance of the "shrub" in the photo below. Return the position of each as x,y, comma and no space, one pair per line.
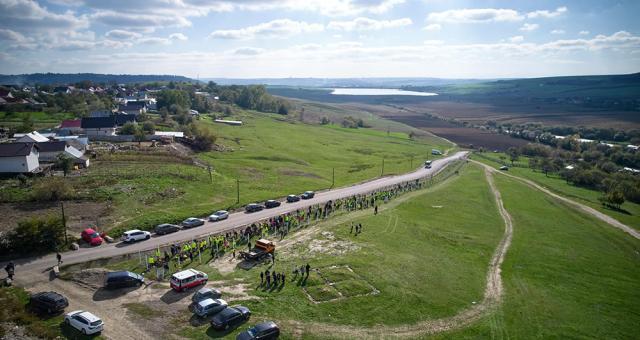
51,189
36,235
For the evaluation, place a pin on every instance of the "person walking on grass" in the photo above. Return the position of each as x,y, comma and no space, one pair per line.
267,277
351,231
261,278
375,210
284,279
59,258
308,267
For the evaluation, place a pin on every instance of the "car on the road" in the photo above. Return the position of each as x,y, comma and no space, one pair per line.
135,235
206,293
219,215
263,330
427,164
209,307
293,198
504,168
49,302
192,222
122,279
271,204
85,322
91,236
253,207
166,228
308,195
230,317
187,279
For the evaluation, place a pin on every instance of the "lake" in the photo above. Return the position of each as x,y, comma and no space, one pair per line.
378,92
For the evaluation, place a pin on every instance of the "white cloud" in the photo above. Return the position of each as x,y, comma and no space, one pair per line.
584,33
146,22
527,27
366,24
558,32
153,41
433,27
13,36
516,39
277,28
547,14
178,36
25,15
248,51
475,15
122,35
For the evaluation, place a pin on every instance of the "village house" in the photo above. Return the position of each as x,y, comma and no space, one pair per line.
70,127
19,158
133,107
51,151
32,137
99,126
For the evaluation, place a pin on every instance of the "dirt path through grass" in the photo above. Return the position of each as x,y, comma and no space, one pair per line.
603,217
492,297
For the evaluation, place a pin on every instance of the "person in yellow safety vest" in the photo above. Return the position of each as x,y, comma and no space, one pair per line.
193,245
151,261
185,248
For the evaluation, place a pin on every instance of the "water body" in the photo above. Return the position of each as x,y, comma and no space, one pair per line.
379,92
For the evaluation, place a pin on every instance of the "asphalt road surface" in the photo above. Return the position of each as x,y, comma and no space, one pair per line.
41,265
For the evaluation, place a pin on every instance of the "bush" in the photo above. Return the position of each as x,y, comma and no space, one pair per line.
51,189
129,128
36,235
148,127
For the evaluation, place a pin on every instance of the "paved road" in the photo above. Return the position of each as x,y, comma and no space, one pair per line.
235,220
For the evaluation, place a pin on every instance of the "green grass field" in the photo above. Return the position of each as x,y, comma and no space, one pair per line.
41,120
583,195
566,276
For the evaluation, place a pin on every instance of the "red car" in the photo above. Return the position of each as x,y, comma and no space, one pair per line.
91,236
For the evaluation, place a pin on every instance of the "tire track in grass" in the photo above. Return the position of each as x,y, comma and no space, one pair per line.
492,298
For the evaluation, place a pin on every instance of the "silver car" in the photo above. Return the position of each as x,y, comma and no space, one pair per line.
209,307
192,222
219,215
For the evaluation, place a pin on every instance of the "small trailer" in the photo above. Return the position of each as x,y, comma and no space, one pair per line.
261,249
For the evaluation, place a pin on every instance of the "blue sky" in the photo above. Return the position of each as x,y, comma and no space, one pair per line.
321,38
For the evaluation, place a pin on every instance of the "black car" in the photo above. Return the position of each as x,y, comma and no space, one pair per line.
271,204
123,279
230,317
293,198
265,330
166,228
253,207
49,302
308,195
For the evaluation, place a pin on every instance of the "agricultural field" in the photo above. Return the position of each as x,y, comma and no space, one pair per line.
269,155
566,275
41,120
629,213
424,256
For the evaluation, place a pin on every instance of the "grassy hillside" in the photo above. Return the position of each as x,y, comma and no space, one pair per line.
566,275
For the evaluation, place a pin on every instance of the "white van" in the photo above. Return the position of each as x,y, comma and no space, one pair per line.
188,278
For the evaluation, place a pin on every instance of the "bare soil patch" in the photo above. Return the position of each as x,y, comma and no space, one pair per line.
80,214
298,173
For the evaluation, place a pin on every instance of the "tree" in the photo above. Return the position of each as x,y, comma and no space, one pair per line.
36,235
129,128
27,123
149,127
283,110
139,136
614,198
203,139
513,154
65,163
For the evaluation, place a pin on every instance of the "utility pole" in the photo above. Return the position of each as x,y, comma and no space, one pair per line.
382,172
333,177
210,176
411,166
64,223
238,190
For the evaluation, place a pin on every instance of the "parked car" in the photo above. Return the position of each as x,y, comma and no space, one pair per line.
230,317
166,228
206,293
253,207
91,236
264,330
271,204
504,168
123,279
192,222
209,307
135,235
308,195
49,302
293,198
187,279
219,215
85,322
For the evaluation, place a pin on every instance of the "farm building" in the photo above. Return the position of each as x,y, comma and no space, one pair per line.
32,137
19,157
133,107
70,127
99,126
50,151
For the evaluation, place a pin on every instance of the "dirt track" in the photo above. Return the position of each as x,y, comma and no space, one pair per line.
492,297
603,217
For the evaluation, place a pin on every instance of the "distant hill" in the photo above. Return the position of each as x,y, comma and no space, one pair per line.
343,82
67,78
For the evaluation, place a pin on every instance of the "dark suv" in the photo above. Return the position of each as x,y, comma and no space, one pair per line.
230,317
163,229
123,279
308,195
49,302
265,330
253,207
271,204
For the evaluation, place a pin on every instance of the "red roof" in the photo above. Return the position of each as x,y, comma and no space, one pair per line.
72,123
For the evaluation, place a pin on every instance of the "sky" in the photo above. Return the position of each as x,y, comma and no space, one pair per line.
321,38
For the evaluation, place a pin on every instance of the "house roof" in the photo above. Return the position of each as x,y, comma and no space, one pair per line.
52,146
71,123
133,105
122,119
36,137
98,122
16,149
